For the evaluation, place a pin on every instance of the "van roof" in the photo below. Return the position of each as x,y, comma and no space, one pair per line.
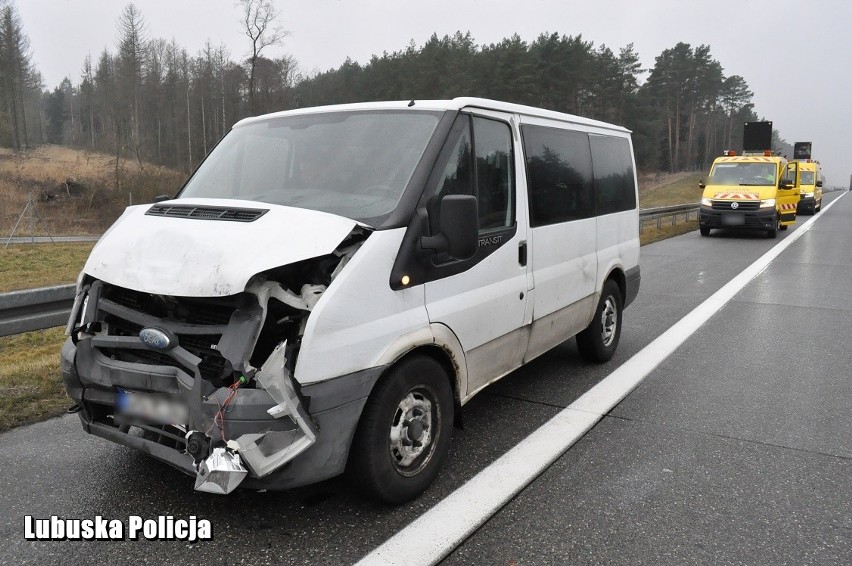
444,105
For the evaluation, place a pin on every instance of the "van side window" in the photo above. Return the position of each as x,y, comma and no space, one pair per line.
559,175
614,181
495,190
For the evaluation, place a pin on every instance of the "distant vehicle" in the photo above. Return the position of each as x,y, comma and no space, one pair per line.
755,190
810,186
333,284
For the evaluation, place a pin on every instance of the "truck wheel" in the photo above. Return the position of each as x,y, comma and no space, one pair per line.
598,342
782,227
404,433
705,231
772,233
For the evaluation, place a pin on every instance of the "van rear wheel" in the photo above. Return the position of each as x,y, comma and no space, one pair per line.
404,433
704,230
598,342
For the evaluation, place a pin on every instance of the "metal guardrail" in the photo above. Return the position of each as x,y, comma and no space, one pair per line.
35,309
659,213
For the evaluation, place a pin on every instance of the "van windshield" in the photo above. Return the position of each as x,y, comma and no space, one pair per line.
806,177
352,164
749,174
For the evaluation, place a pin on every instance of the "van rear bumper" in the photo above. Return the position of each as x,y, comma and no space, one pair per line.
335,407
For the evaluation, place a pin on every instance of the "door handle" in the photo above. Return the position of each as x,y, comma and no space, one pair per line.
522,253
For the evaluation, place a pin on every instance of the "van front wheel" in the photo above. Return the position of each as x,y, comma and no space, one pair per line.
598,342
404,433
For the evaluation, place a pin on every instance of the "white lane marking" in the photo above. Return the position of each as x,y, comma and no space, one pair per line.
435,534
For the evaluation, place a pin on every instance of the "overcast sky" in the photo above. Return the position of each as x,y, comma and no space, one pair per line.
796,55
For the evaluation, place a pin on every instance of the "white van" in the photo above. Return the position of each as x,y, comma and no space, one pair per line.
333,284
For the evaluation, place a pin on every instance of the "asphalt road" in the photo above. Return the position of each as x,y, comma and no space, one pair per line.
735,449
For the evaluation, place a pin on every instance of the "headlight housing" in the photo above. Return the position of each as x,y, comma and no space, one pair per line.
768,203
705,201
808,195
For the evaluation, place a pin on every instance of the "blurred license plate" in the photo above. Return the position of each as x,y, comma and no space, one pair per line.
156,408
733,219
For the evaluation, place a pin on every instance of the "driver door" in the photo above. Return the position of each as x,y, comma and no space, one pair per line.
788,199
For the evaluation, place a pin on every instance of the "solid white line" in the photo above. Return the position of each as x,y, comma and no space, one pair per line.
435,534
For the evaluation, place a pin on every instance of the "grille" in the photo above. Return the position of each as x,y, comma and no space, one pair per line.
213,366
178,309
743,205
207,212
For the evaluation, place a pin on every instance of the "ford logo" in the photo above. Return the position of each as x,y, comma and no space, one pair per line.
735,205
155,338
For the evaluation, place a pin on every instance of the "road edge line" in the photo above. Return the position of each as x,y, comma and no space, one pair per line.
437,532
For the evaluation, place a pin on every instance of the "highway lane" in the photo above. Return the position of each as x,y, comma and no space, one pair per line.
737,449
58,470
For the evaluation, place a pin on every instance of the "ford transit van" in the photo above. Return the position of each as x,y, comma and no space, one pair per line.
333,284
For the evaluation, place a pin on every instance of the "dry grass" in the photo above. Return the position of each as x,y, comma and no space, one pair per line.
30,379
41,265
75,191
680,188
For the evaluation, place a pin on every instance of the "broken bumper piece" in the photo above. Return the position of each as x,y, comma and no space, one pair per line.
220,473
265,453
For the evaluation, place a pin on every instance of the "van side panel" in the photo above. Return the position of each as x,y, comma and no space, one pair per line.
359,315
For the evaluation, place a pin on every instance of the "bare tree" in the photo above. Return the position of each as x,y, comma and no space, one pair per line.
258,17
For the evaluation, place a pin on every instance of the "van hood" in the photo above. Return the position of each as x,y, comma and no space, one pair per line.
187,256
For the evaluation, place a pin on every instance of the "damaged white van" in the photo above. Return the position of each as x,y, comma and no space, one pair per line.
333,284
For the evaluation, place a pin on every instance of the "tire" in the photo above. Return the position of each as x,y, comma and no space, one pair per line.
818,207
384,462
704,230
783,227
598,342
773,232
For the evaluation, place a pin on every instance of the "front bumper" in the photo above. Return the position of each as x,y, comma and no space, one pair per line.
760,219
806,203
334,406
285,434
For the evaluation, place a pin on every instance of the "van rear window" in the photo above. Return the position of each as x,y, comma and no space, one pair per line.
615,187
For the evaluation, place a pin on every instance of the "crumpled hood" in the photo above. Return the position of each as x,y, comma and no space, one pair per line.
192,257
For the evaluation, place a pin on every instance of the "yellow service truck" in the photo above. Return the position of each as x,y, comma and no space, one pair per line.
810,179
755,190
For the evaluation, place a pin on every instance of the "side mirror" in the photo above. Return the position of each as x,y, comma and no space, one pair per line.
819,183
458,235
701,184
161,198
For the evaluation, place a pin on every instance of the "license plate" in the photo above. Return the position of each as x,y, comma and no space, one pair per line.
732,219
150,407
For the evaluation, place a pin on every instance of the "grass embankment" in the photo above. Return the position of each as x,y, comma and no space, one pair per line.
680,188
41,265
29,363
29,378
75,191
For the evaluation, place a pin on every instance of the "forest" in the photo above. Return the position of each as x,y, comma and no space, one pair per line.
149,99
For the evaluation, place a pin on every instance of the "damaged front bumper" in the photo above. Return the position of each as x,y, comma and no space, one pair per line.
286,435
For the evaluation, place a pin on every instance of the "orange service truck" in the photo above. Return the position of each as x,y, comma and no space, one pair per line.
756,190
